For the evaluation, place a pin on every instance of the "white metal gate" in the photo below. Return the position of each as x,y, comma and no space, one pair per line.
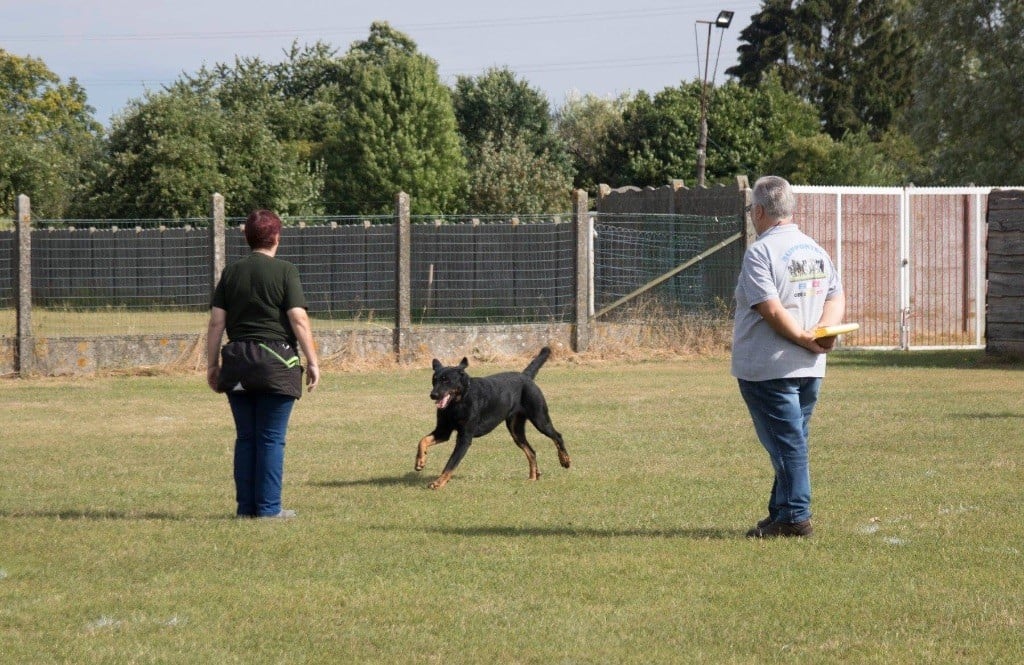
912,261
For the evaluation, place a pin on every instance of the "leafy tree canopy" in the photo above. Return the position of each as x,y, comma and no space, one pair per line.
745,129
499,107
588,126
396,131
509,177
170,151
853,59
969,90
49,137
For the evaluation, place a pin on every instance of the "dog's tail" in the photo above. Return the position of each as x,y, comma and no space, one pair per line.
538,362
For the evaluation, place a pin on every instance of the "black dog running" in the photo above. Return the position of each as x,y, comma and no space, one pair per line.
474,406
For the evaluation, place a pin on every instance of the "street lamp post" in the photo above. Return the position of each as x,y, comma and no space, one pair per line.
723,21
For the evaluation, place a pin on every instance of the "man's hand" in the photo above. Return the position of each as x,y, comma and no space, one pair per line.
827,343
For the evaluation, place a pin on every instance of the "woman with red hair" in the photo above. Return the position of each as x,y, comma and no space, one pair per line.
260,303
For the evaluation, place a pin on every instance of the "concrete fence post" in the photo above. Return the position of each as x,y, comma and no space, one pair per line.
582,265
403,276
23,287
218,248
745,198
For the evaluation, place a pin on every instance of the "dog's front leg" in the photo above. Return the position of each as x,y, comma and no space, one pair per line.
462,442
421,451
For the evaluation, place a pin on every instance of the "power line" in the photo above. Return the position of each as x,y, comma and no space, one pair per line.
419,27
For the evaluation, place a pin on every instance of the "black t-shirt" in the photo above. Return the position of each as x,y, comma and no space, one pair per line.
257,292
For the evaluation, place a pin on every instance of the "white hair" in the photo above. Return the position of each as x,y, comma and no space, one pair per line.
775,195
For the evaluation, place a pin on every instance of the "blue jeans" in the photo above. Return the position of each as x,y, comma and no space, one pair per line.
261,421
781,410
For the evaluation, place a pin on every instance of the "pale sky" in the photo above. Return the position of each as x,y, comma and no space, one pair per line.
117,49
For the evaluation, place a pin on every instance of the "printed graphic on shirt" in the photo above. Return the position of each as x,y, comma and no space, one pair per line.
803,267
801,270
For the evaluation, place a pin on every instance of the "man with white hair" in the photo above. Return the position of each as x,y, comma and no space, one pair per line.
787,287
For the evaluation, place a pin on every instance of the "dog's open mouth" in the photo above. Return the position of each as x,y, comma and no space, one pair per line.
444,401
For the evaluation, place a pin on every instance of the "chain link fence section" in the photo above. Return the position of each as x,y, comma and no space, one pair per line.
119,278
484,270
632,250
8,315
346,264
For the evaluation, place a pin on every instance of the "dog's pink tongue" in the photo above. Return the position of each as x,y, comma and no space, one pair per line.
443,402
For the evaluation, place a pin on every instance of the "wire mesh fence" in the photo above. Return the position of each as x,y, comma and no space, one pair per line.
492,269
347,266
110,278
8,326
631,251
913,262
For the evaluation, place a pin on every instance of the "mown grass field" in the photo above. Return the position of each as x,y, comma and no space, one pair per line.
117,543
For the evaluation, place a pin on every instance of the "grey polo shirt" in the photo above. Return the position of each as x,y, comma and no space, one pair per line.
787,264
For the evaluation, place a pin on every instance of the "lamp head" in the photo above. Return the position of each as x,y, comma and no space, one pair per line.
724,19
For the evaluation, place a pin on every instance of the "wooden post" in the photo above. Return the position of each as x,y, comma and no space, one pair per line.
581,238
403,276
23,287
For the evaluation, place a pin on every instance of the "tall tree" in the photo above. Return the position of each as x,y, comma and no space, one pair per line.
169,152
510,177
396,131
296,96
853,160
588,125
970,91
746,128
659,137
765,46
510,144
853,59
49,137
497,106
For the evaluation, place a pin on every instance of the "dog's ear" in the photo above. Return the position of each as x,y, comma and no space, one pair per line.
436,364
464,364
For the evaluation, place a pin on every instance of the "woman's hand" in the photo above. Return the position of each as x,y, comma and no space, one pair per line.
312,377
213,377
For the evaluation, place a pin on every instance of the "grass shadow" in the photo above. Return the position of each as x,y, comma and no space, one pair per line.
72,514
411,479
589,532
987,415
950,359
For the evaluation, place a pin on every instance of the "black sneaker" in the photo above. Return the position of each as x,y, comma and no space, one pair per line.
782,529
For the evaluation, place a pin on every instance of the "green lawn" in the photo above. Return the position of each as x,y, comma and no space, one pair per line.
125,321
117,543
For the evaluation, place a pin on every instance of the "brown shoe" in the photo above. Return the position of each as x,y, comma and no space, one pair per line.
782,529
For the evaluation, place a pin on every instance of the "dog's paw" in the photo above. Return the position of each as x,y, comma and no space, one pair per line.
564,460
441,481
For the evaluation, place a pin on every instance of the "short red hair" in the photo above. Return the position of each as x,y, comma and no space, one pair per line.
261,229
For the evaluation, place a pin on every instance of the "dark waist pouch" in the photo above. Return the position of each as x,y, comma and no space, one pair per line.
260,367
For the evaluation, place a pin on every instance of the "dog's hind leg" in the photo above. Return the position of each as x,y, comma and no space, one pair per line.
537,412
543,424
517,428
